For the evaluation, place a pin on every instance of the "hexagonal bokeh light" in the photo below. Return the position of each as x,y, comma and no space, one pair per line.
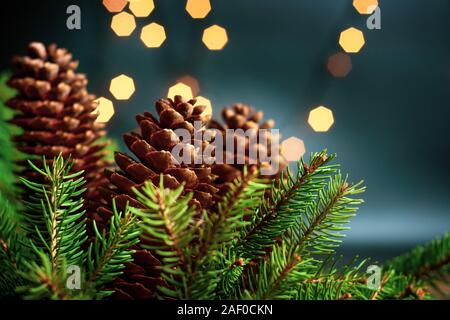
153,35
339,64
351,40
142,8
122,87
123,24
365,6
115,5
105,110
180,89
191,82
198,9
215,37
293,149
202,101
321,119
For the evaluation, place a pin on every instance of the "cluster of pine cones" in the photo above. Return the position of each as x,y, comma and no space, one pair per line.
57,115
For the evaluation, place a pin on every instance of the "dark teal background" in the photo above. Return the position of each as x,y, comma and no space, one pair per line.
392,112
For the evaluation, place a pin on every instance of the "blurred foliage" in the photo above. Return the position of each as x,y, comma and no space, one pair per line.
111,147
8,154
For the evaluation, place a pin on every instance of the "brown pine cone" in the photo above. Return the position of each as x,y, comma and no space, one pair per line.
152,145
242,116
140,278
55,113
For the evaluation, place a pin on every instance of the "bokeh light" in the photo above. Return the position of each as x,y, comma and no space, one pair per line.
142,8
115,5
123,24
180,89
339,64
321,119
191,82
202,101
293,149
215,37
153,35
105,110
198,9
122,87
365,6
351,40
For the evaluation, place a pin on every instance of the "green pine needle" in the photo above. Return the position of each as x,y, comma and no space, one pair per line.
289,198
168,223
54,212
55,225
261,242
108,254
14,248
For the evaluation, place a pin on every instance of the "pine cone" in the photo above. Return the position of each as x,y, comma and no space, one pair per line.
55,113
152,146
242,116
140,278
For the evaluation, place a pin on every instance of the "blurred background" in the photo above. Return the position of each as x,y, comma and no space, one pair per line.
391,106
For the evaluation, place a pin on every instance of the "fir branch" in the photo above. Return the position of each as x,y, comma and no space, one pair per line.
8,154
54,216
167,227
56,207
326,290
417,294
244,196
14,249
395,286
319,229
378,291
108,254
316,230
424,261
44,282
218,231
229,279
330,282
212,268
288,199
279,275
321,210
424,265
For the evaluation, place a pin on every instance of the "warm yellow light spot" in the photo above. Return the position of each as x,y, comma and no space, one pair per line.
123,24
351,40
202,101
321,119
122,87
105,109
153,35
198,9
292,149
365,6
115,5
191,82
215,37
339,64
142,8
180,89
